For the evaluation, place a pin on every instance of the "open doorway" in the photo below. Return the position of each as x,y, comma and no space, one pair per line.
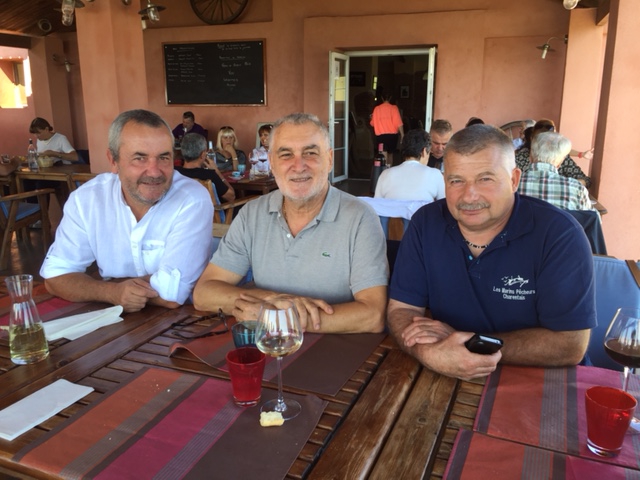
406,74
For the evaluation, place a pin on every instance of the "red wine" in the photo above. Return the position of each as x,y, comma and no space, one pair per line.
627,356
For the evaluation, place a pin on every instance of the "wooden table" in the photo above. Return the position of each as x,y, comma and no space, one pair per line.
261,185
392,419
59,173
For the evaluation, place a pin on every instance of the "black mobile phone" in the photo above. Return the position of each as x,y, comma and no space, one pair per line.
483,344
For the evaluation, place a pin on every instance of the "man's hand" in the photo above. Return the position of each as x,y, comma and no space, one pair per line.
450,357
424,330
133,294
247,307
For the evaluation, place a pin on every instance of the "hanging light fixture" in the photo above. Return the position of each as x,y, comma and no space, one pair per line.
152,11
68,9
570,4
67,64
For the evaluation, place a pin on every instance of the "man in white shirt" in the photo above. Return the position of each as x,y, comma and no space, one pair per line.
412,179
136,223
52,144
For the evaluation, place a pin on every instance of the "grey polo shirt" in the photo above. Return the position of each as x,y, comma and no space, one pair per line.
340,252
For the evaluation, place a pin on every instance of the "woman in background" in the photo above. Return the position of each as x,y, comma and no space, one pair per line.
228,155
260,155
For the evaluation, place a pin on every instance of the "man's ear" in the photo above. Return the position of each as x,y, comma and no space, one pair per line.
112,162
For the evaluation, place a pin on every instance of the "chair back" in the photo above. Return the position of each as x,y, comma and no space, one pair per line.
388,209
592,226
77,179
219,215
615,287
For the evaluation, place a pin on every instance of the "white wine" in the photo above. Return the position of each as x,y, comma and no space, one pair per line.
279,346
28,345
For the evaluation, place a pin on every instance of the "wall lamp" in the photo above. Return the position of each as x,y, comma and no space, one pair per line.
152,11
570,4
67,64
546,47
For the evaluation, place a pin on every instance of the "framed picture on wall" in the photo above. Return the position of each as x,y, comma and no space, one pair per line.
404,91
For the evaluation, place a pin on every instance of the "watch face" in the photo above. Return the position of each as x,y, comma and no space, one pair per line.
217,12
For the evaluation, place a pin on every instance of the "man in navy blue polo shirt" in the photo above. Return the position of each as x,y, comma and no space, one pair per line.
488,260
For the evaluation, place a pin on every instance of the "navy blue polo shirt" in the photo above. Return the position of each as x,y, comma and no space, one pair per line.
538,272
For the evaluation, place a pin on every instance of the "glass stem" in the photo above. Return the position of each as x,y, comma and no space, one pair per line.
625,383
281,406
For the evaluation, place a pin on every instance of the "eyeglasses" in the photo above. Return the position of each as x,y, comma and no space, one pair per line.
217,320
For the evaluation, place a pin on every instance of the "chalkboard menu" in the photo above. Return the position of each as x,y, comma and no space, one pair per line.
215,73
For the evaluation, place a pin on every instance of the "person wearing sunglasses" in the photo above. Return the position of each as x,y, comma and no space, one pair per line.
228,155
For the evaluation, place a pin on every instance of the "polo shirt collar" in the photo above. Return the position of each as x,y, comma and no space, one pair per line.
542,167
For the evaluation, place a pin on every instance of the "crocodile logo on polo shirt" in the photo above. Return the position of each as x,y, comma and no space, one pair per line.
326,254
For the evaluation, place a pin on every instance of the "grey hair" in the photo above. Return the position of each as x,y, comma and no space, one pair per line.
141,117
441,127
479,137
300,119
550,147
192,146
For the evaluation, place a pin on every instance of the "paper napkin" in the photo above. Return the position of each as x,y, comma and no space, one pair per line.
76,326
38,407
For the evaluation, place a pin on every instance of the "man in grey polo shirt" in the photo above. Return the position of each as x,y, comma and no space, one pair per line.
308,241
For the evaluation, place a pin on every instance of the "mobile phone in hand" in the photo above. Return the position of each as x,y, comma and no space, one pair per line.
483,344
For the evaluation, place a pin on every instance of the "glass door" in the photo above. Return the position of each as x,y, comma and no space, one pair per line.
338,114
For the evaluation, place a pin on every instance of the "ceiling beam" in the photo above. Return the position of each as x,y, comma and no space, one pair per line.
17,41
602,14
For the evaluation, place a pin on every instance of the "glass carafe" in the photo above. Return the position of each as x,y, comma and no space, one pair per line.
27,341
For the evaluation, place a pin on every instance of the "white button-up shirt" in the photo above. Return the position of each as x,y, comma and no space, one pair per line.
172,242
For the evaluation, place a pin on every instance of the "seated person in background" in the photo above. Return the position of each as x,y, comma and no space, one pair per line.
488,260
52,144
194,153
440,133
412,179
261,154
568,167
308,241
188,125
228,156
543,181
147,227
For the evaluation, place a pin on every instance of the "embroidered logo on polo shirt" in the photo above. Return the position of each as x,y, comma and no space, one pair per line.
515,293
326,254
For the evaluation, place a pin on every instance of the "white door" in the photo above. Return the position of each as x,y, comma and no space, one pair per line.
339,114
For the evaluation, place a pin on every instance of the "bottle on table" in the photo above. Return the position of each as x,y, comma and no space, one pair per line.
27,340
379,164
32,157
211,153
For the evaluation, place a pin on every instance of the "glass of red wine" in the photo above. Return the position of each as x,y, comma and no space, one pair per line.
622,344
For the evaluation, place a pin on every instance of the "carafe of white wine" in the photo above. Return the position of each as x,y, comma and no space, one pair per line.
27,341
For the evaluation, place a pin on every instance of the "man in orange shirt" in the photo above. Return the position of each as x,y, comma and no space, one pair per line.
387,124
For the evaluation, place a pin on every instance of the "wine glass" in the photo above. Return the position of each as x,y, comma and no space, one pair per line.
278,333
262,160
253,160
622,344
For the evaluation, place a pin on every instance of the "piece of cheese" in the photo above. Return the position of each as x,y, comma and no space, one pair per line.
271,419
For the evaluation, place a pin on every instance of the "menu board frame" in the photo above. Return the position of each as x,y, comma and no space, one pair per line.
229,73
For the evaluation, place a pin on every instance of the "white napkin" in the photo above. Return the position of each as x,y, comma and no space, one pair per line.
38,407
76,326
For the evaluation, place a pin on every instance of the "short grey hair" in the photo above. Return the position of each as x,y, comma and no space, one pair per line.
192,146
479,137
300,119
550,147
142,117
441,126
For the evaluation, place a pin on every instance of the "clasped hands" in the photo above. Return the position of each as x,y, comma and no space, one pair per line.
441,348
247,307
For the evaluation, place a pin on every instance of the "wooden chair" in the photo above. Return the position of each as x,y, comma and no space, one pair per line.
77,179
16,215
223,212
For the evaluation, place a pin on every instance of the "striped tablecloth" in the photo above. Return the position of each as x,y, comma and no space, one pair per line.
167,424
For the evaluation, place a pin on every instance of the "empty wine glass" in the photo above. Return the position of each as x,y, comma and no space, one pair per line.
253,160
278,333
622,344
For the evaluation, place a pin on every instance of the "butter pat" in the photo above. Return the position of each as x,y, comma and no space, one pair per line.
271,419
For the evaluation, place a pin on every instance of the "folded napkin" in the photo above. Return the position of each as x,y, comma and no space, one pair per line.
76,326
38,407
